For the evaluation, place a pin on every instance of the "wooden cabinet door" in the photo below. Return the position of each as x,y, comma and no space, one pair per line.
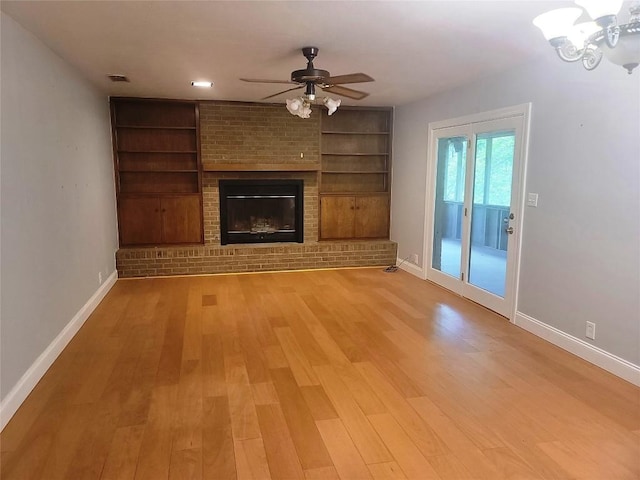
181,219
337,217
372,217
139,220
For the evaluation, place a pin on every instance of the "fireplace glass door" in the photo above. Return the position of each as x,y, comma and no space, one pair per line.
260,211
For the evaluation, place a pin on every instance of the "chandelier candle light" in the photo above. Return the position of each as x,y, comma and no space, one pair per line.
590,41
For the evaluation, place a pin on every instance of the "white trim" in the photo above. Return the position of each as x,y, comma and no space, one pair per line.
12,401
497,114
524,168
414,270
592,354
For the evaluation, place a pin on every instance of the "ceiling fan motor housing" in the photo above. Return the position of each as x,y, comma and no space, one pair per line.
310,74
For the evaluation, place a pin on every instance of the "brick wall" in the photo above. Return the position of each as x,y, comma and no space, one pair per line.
235,132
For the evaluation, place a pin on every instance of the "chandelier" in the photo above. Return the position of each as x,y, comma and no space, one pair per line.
590,41
301,106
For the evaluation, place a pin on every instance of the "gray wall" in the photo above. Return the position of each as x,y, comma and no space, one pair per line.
57,197
581,247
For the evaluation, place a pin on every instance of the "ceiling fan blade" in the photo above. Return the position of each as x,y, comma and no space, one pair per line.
346,92
284,91
350,78
260,80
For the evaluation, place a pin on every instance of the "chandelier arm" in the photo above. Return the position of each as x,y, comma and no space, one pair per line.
611,35
591,58
568,52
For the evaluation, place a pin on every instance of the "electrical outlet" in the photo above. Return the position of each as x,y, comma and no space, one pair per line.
100,278
413,258
591,330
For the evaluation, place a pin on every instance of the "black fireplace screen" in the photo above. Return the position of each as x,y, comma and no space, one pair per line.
259,211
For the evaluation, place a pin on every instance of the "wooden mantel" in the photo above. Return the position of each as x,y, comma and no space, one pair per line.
260,167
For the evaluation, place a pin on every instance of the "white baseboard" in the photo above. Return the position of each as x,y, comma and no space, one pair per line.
411,268
12,401
603,359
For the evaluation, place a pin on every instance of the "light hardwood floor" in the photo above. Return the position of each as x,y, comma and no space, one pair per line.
349,374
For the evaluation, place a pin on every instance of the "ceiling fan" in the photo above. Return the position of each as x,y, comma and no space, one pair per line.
312,77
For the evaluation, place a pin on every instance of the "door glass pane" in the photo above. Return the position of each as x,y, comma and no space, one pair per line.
491,209
447,232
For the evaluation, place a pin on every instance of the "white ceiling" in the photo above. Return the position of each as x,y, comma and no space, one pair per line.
412,49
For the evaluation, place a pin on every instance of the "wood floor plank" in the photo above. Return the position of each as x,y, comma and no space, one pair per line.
281,452
319,404
449,467
345,455
322,473
386,471
414,465
364,436
264,393
186,464
244,420
214,382
217,439
304,433
296,358
427,440
155,450
123,455
251,459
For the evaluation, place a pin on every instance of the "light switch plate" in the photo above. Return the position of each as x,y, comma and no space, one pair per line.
532,200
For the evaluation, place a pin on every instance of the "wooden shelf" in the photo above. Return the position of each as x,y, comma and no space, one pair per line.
335,132
355,194
157,151
360,154
149,170
154,127
377,172
260,167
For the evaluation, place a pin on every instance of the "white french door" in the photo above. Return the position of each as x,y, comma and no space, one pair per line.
475,202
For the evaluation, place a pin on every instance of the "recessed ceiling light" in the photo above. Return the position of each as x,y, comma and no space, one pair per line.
202,84
116,77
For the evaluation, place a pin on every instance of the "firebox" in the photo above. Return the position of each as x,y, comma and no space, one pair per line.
261,211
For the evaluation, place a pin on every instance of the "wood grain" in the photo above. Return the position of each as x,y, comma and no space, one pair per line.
335,374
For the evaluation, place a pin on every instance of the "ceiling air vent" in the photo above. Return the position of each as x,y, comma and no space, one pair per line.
118,78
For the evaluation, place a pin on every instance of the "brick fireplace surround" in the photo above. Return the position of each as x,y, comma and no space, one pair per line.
247,133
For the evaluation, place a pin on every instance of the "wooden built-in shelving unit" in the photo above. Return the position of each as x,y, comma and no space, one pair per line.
355,173
158,171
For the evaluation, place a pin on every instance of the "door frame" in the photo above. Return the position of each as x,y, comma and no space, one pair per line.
460,124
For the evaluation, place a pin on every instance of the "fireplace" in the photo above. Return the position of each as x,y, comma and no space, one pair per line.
261,211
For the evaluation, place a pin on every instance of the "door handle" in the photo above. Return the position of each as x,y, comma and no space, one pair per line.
509,230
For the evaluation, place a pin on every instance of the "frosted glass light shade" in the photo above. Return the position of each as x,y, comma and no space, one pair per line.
626,52
557,23
294,106
331,104
581,31
600,8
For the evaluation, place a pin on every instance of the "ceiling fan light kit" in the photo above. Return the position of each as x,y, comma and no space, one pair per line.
310,78
590,41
